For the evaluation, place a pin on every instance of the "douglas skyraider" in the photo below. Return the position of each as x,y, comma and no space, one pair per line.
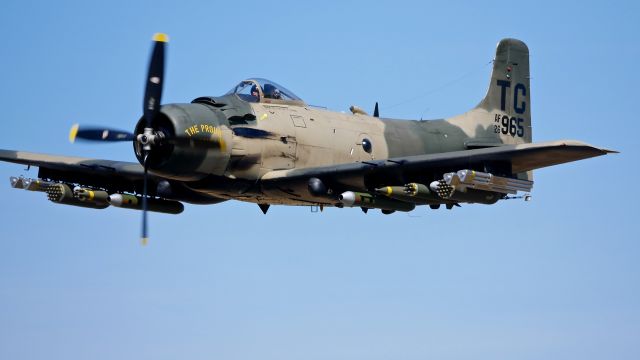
263,144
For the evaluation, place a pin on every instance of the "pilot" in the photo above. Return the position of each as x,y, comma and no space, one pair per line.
272,92
254,91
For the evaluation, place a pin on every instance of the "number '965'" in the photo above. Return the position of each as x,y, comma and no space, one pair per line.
508,125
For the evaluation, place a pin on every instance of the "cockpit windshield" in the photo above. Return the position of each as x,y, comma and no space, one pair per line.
263,90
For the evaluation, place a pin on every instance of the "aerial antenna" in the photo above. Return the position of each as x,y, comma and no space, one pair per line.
438,88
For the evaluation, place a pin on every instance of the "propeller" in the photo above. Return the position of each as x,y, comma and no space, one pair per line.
149,137
376,112
98,134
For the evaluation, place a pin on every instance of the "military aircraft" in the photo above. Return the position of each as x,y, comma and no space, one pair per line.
263,144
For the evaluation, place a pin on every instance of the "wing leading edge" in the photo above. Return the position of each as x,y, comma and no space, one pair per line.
127,170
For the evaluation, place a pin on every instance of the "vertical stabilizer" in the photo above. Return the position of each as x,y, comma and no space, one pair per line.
508,98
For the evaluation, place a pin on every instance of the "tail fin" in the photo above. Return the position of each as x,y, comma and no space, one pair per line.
508,98
504,115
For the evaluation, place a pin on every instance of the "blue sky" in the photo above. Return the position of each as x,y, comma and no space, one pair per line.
555,278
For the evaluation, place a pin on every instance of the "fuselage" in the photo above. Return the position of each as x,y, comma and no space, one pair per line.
261,137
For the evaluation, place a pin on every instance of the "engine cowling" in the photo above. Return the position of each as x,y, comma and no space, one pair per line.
198,142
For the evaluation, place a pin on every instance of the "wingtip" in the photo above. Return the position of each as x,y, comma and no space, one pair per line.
73,133
161,37
580,143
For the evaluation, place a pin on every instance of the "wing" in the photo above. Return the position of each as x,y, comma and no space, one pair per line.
365,175
112,176
108,174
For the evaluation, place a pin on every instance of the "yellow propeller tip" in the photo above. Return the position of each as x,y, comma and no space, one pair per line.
160,37
73,133
144,241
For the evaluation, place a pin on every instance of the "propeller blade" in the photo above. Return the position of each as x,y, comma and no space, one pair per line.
145,235
376,113
155,78
98,134
104,134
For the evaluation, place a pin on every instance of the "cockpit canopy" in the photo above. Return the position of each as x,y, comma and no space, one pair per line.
264,91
